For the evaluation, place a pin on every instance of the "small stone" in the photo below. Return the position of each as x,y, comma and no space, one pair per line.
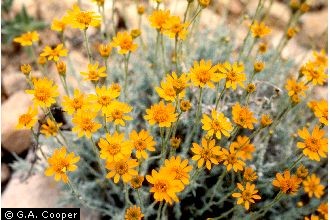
14,82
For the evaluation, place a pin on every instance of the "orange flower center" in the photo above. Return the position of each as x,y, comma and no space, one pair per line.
204,76
312,144
161,186
93,75
87,124
104,100
25,119
113,148
140,145
84,18
206,154
121,167
42,94
126,43
232,76
216,125
161,115
117,114
246,195
77,103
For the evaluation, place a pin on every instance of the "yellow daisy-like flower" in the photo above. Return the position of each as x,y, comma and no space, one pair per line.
313,187
114,147
295,88
259,30
265,120
248,194
233,73
312,217
105,50
60,163
179,169
50,128
117,113
323,210
84,123
82,19
243,117
314,145
320,109
158,19
165,186
287,183
314,73
122,168
207,153
94,72
179,83
249,174
59,25
44,92
231,159
321,58
167,92
27,39
54,54
161,114
99,2
26,69
175,29
218,124
141,142
133,213
28,120
124,42
136,181
203,74
103,98
78,101
244,147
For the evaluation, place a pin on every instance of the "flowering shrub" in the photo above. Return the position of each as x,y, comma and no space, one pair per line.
171,122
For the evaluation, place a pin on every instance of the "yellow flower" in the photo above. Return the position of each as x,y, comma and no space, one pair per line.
179,169
175,142
207,153
94,72
82,19
259,30
249,174
165,186
313,217
114,147
295,88
244,147
243,117
84,123
42,60
158,18
179,83
117,111
167,92
233,73
60,163
26,69
133,213
258,66
135,33
292,31
124,42
314,73
141,142
28,120
314,145
262,47
78,101
321,58
203,74
140,9
50,128
175,29
323,210
248,194
161,114
288,184
312,186
59,24
302,171
105,50
99,2
320,109
265,120
250,88
44,92
185,105
27,39
61,68
231,159
54,54
136,181
115,87
103,98
217,124
204,3
122,168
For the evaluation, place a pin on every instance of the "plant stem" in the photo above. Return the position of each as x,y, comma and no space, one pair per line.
126,59
87,46
296,161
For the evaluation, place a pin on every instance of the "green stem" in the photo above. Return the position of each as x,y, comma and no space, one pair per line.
220,97
226,213
87,46
176,54
197,12
126,59
296,161
159,211
128,202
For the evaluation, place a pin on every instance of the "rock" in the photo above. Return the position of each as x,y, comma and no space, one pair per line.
12,139
279,14
5,172
208,18
14,82
37,192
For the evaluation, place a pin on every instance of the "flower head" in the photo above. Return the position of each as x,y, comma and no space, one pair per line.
61,68
207,153
84,123
103,98
54,54
60,163
162,114
218,124
50,128
179,83
94,72
141,142
133,213
117,111
321,58
244,147
26,69
59,25
265,120
320,109
288,184
259,30
312,186
185,105
44,92
302,172
233,73
82,19
105,50
203,74
28,120
247,195
124,42
136,181
314,73
158,19
314,145
231,159
249,174
243,117
114,147
27,38
175,29
323,210
78,101
180,169
167,92
123,168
